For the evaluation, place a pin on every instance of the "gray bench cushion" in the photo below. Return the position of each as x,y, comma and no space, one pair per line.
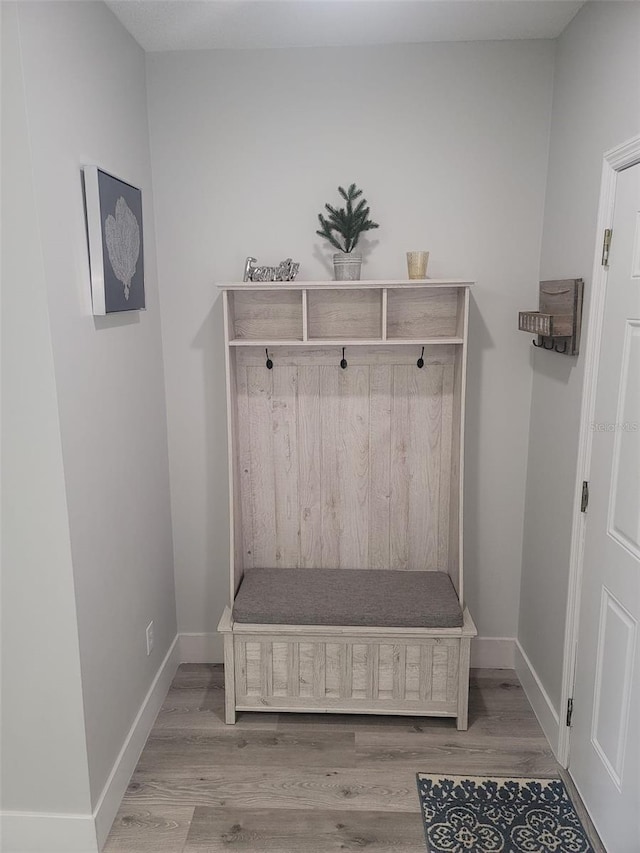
392,599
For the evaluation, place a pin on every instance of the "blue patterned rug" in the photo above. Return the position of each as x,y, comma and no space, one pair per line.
501,815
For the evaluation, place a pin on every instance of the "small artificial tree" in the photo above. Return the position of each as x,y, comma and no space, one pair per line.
346,223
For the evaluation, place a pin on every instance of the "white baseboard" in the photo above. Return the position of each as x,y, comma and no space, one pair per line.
493,652
113,792
542,705
201,648
31,832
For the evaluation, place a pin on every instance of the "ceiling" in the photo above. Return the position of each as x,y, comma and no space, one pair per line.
206,24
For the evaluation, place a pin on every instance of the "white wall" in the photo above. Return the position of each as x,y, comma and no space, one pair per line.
44,754
450,143
596,105
85,93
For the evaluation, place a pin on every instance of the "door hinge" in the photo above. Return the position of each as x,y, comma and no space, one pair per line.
584,500
606,245
569,711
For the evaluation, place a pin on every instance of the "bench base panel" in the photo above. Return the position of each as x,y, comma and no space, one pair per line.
422,672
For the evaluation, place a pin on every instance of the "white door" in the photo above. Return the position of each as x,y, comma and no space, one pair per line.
604,755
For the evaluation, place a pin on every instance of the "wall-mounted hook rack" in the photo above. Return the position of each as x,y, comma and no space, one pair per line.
559,316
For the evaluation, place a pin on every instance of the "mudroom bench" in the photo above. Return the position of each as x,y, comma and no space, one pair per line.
348,641
345,407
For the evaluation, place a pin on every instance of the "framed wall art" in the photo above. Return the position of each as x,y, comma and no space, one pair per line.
114,228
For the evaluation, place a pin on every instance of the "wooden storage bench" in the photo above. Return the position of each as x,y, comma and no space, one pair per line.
356,642
346,433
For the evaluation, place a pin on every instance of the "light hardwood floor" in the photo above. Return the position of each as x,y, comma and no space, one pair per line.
311,783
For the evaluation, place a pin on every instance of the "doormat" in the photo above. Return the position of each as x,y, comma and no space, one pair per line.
477,814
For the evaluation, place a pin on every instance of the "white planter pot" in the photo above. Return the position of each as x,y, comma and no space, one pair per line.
347,267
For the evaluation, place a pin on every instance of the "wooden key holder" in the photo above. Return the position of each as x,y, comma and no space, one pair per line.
558,321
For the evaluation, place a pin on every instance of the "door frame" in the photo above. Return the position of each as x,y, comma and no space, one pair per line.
614,161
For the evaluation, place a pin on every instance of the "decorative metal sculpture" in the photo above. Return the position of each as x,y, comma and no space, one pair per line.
286,270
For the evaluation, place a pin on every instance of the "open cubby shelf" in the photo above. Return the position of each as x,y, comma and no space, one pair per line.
346,313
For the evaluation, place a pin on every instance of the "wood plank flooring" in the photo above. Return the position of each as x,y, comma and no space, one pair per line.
311,783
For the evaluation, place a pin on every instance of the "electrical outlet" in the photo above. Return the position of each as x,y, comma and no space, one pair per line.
149,638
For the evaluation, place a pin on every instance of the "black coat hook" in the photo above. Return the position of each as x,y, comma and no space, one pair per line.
269,363
564,348
549,348
537,345
343,361
420,361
